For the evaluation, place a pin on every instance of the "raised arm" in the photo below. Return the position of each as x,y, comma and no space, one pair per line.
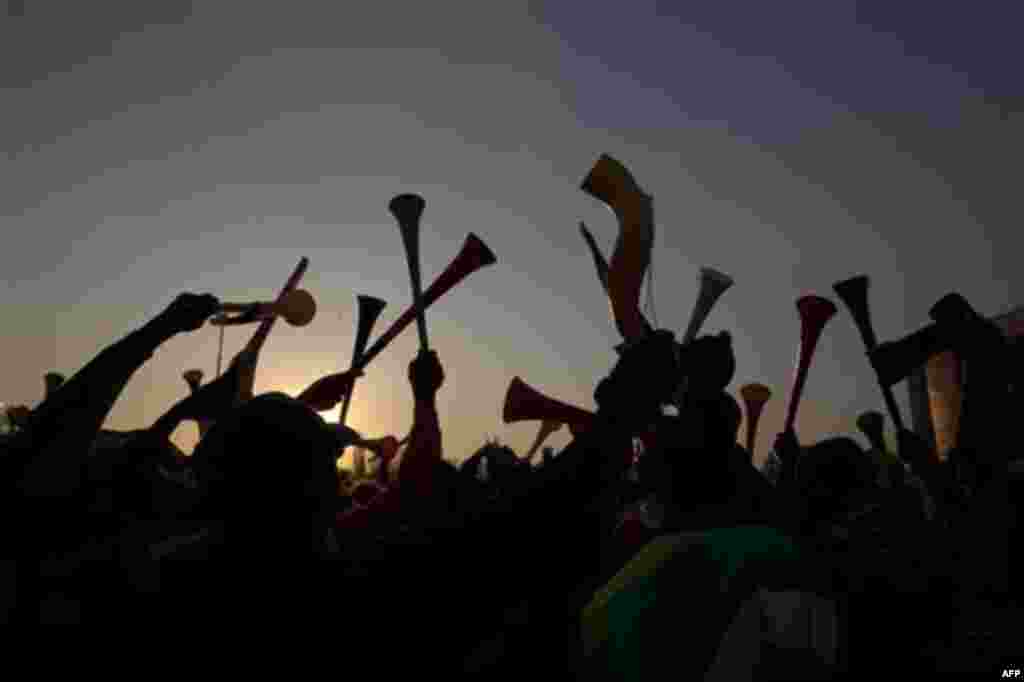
425,449
60,432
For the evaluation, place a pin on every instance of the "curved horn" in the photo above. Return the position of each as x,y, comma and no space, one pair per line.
601,265
473,256
754,397
524,403
612,184
407,210
369,309
297,307
853,293
872,425
712,285
547,427
815,312
51,382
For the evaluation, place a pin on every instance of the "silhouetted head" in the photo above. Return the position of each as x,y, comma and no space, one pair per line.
692,461
833,470
492,462
644,378
709,364
272,460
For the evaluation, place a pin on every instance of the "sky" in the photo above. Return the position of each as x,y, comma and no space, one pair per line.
154,148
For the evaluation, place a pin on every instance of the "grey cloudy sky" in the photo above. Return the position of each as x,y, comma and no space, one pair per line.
151,148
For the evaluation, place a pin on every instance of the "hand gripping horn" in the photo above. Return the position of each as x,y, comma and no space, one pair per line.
712,285
407,210
612,184
815,312
601,265
297,307
259,337
524,403
853,293
473,256
754,397
369,309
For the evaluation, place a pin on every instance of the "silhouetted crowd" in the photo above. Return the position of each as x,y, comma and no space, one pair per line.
649,546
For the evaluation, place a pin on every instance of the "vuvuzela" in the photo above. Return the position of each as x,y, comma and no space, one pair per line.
612,184
473,256
754,397
524,403
369,309
815,312
259,337
853,293
297,307
407,210
712,285
547,427
601,265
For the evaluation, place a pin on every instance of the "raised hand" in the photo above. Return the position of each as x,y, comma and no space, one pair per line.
426,375
186,313
326,392
709,364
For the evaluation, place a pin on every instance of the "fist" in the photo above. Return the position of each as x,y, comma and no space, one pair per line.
426,375
187,313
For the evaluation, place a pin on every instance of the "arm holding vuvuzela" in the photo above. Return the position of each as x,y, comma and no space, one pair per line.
61,431
425,450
